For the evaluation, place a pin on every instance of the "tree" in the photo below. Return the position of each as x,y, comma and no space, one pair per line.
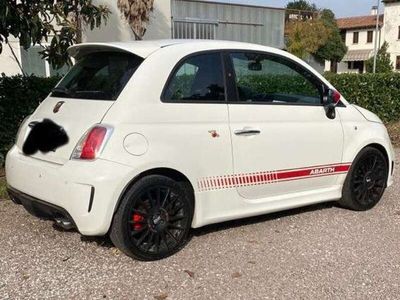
322,39
301,5
306,37
335,48
137,13
383,62
34,22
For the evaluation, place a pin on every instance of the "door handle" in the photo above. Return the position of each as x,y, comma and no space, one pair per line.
247,131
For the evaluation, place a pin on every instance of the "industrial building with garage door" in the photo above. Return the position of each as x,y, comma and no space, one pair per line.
177,19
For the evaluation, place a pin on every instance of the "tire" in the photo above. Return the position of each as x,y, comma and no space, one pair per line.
366,182
153,219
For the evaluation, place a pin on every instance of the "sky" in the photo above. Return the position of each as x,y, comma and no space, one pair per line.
342,8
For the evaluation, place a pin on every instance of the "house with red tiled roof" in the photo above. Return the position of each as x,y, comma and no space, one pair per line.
360,33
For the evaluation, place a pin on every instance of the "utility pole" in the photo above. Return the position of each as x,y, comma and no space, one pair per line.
376,35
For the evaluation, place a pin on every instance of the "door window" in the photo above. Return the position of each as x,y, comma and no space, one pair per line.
198,78
262,78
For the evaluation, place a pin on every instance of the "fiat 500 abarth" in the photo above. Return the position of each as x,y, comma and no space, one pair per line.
164,136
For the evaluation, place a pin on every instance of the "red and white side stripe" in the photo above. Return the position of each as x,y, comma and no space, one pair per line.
269,177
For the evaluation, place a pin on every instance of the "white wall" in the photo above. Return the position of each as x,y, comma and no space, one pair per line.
160,21
362,39
8,64
392,23
117,29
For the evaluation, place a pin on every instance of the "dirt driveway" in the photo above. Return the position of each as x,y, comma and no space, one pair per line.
320,252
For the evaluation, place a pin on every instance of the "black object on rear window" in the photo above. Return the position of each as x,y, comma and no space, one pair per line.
98,76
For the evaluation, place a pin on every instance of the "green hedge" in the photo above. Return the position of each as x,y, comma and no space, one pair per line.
19,96
270,84
379,93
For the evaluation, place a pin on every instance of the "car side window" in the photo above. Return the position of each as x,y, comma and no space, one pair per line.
263,78
198,78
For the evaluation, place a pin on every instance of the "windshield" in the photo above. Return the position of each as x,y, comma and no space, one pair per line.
100,76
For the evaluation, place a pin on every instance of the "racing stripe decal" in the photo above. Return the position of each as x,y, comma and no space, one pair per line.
269,177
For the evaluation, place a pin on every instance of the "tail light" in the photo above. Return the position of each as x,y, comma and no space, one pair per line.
21,126
92,143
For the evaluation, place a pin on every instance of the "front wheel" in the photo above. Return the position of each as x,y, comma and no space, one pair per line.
153,219
366,181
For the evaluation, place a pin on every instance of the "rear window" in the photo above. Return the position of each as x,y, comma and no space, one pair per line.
100,76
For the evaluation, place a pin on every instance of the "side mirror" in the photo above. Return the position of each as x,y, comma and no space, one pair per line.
330,101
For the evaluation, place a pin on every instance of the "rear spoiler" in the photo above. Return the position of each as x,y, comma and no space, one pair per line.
137,48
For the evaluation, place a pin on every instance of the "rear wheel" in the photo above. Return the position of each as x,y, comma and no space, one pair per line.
366,181
154,219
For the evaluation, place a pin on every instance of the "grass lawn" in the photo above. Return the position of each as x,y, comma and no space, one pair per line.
3,192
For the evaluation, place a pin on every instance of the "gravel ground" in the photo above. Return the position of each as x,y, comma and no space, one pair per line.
319,252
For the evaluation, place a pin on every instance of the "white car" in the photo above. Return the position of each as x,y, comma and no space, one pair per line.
165,136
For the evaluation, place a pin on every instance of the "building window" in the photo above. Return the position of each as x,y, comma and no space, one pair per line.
33,63
398,63
399,33
355,37
186,29
343,35
370,36
356,65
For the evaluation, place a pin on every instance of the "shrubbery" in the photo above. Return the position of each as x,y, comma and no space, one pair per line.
270,84
19,96
379,93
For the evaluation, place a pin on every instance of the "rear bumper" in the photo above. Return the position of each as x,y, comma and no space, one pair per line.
84,192
37,206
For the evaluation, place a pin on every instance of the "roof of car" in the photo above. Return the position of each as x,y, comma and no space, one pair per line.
145,48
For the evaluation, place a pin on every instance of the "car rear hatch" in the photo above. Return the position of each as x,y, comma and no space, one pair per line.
84,95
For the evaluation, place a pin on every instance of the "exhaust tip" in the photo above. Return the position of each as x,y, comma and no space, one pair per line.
64,223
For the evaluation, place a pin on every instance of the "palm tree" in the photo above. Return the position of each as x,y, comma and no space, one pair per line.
137,13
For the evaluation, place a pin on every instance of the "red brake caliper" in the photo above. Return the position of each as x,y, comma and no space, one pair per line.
137,218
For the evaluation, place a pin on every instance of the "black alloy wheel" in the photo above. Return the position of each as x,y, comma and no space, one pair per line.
154,219
366,181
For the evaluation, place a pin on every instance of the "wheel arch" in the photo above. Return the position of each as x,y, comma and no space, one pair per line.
347,200
353,149
162,171
383,150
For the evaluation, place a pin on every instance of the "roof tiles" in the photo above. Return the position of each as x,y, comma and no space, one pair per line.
359,22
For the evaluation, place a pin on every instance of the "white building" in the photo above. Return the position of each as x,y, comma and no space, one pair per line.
359,34
392,30
195,19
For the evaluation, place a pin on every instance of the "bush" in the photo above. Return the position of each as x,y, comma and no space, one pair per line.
271,84
19,96
379,93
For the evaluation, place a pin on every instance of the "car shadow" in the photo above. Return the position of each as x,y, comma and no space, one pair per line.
105,241
260,219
